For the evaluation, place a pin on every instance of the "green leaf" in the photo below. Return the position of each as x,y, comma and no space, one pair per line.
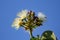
48,35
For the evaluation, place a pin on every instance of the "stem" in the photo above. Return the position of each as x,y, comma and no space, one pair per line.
31,32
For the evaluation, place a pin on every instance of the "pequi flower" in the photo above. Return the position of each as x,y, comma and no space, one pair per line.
22,14
28,20
41,16
17,23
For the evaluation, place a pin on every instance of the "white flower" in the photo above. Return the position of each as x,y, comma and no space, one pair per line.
41,16
22,14
17,23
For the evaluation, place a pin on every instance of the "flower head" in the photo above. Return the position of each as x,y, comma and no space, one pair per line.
22,14
17,23
41,16
28,20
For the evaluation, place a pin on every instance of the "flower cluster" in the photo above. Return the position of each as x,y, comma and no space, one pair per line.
28,20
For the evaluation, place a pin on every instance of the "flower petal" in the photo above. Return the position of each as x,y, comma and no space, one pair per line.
16,23
22,14
41,16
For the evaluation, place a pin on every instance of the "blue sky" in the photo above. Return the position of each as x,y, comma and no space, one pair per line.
9,9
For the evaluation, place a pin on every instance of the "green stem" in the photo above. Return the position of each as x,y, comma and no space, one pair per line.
31,32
